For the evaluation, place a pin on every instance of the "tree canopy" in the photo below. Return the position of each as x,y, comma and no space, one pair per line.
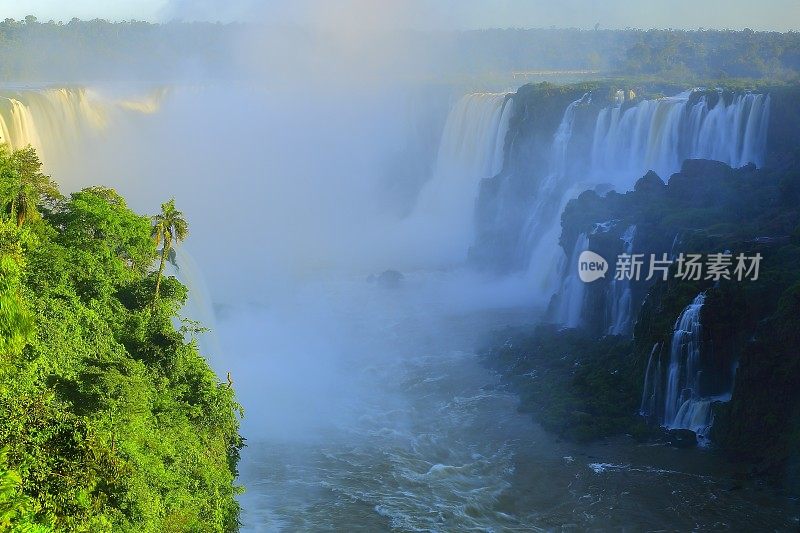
32,50
110,419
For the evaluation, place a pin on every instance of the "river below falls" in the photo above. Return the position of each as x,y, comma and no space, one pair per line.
367,409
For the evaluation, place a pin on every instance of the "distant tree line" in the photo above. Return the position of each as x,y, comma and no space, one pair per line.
674,53
97,49
31,50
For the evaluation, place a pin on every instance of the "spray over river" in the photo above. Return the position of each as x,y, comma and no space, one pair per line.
367,405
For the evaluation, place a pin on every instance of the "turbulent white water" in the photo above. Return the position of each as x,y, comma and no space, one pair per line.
627,140
660,134
471,149
539,230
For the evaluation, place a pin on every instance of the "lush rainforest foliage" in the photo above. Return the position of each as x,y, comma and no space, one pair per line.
79,50
109,418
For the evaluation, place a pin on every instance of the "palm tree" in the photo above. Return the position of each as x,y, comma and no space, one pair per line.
23,186
169,227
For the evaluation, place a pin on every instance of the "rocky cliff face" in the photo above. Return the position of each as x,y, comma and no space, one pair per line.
715,358
505,201
563,140
733,378
748,366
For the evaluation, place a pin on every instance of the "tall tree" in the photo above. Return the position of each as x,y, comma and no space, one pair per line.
169,228
23,186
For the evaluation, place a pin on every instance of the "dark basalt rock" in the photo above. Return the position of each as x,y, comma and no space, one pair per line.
650,183
750,326
681,438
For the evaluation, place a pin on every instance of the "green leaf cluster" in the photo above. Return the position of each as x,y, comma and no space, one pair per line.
110,418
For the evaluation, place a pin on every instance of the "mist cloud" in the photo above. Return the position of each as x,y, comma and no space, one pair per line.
780,15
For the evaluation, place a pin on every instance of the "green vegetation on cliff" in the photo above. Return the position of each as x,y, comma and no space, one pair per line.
575,385
583,384
109,419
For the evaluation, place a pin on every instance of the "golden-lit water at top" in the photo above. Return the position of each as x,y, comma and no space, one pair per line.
53,119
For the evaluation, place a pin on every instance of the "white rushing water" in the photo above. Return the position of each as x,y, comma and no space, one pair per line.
629,138
550,188
686,406
677,398
660,134
683,373
472,142
573,290
471,149
539,238
620,313
652,390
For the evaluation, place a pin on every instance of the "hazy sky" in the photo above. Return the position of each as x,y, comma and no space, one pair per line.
779,15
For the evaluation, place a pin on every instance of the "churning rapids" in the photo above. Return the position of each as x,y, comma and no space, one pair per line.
367,406
419,436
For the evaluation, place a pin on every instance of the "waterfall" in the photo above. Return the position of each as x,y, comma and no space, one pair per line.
562,137
48,119
683,373
541,230
594,145
570,305
548,192
686,404
471,149
616,147
498,154
660,134
17,127
619,294
52,119
684,395
651,392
